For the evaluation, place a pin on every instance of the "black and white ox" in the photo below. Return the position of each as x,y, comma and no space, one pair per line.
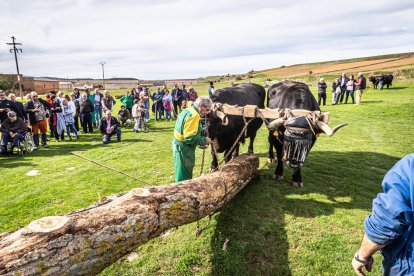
294,135
386,80
225,129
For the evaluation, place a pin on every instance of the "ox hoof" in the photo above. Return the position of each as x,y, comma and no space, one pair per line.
277,177
297,184
213,170
270,160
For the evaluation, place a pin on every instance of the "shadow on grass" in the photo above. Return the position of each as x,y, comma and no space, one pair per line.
394,88
254,221
136,140
367,101
14,161
161,129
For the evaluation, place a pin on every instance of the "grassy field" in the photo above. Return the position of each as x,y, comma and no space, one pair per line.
272,228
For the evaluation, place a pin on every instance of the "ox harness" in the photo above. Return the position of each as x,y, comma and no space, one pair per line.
296,139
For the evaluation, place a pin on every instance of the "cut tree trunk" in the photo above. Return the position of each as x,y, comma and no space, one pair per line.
88,240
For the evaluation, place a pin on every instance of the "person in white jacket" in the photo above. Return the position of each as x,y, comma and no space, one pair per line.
137,114
68,113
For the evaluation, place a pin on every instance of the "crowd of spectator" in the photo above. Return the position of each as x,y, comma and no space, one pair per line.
343,88
82,112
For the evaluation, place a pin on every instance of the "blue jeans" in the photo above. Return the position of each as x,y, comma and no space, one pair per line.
98,113
168,115
15,141
147,107
107,137
349,93
69,128
158,111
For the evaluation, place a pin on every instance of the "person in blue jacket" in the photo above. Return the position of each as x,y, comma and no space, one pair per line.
390,226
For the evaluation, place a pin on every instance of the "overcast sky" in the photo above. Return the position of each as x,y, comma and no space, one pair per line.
183,39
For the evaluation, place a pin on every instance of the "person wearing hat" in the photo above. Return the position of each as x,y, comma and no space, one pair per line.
12,129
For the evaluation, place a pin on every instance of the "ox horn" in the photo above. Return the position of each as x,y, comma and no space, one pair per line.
327,129
272,126
222,116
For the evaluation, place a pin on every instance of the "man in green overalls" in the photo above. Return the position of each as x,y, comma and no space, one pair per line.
187,135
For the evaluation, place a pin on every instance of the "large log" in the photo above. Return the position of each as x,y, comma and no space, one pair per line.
88,240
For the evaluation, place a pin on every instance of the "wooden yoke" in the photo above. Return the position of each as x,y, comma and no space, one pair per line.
251,111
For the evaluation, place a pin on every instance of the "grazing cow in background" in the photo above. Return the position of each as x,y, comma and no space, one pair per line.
388,80
374,80
385,79
225,129
294,136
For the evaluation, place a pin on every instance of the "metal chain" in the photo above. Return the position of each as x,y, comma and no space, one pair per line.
227,155
237,141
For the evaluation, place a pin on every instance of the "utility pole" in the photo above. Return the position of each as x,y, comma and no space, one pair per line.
103,73
16,50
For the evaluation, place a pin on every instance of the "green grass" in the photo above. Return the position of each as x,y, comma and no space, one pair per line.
272,228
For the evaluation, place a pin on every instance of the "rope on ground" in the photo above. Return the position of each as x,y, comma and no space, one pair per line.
112,169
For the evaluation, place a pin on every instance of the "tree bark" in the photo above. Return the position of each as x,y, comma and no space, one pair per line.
90,239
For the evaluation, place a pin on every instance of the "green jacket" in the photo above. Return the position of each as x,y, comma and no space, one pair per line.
188,127
128,101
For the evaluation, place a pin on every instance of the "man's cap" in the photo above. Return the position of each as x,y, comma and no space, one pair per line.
11,113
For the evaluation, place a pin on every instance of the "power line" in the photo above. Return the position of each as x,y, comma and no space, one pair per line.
16,50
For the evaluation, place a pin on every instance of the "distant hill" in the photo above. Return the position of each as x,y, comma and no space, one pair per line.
401,64
368,65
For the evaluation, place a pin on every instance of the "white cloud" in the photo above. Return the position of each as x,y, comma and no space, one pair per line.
172,39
